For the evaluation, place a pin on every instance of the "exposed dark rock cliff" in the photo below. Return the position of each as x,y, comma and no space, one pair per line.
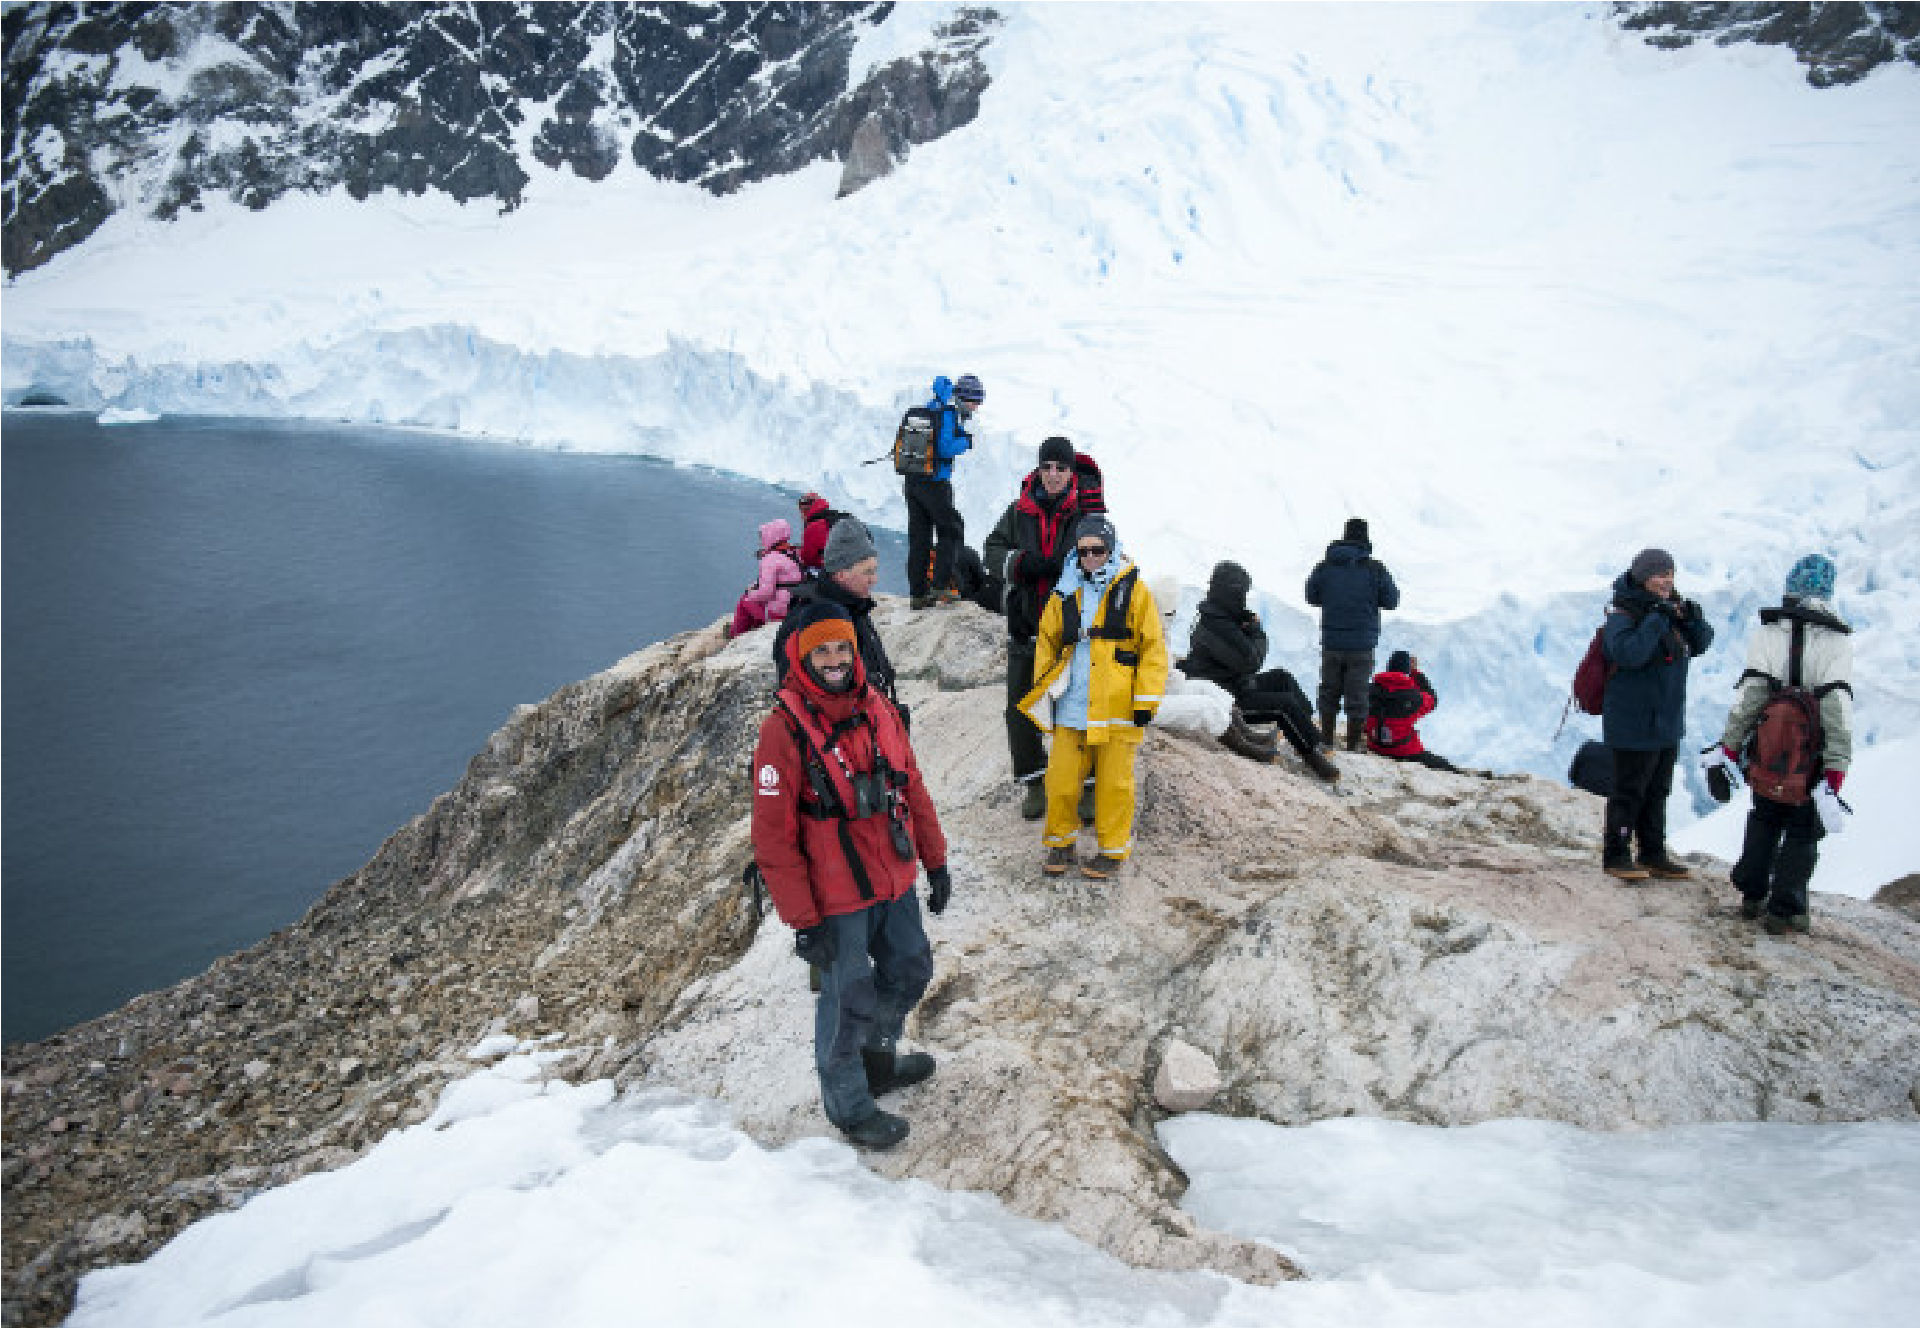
154,106
1838,43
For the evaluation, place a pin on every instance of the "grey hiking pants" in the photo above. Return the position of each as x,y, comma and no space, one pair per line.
882,964
1344,675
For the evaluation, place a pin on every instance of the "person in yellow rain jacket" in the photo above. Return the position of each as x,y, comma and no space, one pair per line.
1099,672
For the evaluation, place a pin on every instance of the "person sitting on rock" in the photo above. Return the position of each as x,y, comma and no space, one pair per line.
767,598
1228,646
818,522
1099,673
840,819
1398,698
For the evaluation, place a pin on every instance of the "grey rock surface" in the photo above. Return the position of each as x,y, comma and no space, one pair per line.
1404,943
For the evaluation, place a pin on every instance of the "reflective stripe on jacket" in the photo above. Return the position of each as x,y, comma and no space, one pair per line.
1127,673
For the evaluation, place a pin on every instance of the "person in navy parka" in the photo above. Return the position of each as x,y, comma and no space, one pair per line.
934,525
1349,587
1649,636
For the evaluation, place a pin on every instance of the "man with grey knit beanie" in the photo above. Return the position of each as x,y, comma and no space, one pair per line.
849,567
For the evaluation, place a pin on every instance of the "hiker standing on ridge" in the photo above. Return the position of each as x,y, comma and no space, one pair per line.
841,817
933,522
849,567
1349,587
1803,766
1028,551
1100,671
1228,646
1649,635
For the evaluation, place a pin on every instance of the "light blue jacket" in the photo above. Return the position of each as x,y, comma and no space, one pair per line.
1070,710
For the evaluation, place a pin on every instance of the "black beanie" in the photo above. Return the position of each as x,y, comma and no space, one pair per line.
1356,532
1400,662
1057,450
1229,585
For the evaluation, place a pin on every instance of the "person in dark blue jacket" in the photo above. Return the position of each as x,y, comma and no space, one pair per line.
1649,635
1349,587
933,522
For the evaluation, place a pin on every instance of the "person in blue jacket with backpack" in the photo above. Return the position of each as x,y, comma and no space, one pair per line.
933,522
1350,587
1649,635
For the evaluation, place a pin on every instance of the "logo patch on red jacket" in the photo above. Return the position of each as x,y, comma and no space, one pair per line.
769,782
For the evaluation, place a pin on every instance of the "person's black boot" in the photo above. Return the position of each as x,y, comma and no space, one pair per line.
879,1131
888,1070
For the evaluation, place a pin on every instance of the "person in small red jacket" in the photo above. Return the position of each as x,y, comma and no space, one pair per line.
841,824
1398,698
817,519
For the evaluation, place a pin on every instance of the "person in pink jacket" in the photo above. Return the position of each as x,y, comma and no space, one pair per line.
767,598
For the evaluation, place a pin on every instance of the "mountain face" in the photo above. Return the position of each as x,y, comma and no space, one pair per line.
154,106
1838,43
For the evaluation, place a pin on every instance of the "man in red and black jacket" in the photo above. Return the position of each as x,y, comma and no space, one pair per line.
841,823
1028,549
1398,698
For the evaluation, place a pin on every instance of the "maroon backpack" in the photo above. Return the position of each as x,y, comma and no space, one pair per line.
1783,753
1590,678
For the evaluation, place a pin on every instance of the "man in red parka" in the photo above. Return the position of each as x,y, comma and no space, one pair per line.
841,822
1397,700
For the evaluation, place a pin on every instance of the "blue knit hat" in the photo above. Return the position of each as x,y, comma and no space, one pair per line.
1811,578
968,389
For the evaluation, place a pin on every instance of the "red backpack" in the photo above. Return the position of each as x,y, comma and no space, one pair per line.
1591,676
1783,753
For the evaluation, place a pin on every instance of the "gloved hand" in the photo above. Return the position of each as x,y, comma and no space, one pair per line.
815,945
1722,770
1142,718
939,889
1834,813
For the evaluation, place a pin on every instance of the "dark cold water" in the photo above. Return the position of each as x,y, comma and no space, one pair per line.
238,655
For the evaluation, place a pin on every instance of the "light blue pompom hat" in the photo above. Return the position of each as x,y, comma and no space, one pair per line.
1811,578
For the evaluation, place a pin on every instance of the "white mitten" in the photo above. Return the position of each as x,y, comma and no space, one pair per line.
1833,812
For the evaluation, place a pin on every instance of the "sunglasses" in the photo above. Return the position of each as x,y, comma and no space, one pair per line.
1091,550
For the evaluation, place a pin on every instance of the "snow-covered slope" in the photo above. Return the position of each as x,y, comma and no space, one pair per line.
1521,290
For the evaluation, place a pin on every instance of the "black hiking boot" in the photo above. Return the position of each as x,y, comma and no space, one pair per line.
1624,869
1318,761
1033,800
878,1132
888,1070
1101,866
1777,925
1241,741
1058,860
1356,737
1663,867
1326,730
1752,906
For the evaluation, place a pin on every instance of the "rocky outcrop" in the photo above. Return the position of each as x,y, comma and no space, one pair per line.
1403,943
1838,43
163,104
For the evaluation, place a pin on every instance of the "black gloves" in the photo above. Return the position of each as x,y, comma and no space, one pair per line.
1142,718
815,945
939,889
